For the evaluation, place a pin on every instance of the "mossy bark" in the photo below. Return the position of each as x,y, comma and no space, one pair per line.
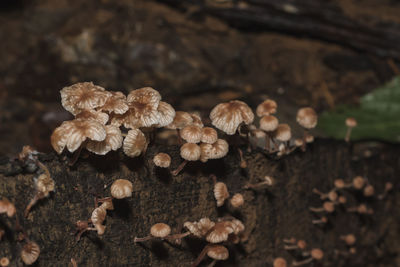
270,214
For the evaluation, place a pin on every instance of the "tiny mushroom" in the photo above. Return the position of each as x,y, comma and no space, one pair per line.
283,132
162,160
166,114
134,143
220,232
191,133
113,141
4,262
327,206
350,123
209,135
217,150
220,193
97,218
7,207
180,120
116,103
121,188
196,120
189,152
349,239
218,252
279,262
307,117
315,254
158,230
200,228
267,107
30,252
268,123
228,116
237,200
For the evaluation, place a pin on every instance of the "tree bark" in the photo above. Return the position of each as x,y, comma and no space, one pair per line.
270,214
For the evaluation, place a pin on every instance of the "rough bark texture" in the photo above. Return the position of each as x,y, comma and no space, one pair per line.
269,214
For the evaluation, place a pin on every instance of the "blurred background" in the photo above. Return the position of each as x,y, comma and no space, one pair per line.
196,53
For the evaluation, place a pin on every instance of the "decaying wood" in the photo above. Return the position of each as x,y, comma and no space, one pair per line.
270,214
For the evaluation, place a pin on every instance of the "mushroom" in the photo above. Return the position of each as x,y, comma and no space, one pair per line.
321,220
328,206
44,184
361,209
279,262
267,181
196,120
98,116
116,103
97,218
228,116
315,254
83,96
350,123
217,150
331,195
181,120
369,191
266,108
7,207
215,252
300,244
220,193
158,230
268,124
113,141
166,114
189,152
349,239
237,200
162,160
388,188
307,118
209,135
191,133
200,228
30,252
134,143
4,262
283,133
220,232
121,188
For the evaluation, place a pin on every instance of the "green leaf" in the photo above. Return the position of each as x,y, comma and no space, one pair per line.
378,116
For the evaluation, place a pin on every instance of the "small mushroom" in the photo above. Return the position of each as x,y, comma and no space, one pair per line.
196,120
97,218
44,184
361,209
113,141
267,107
166,114
349,239
220,232
350,123
283,133
134,143
217,150
331,195
269,124
209,135
300,244
191,134
189,152
116,103
322,220
162,160
30,252
220,193
328,206
121,188
4,262
279,262
315,254
7,207
158,230
237,200
228,116
388,188
215,252
181,120
200,228
307,118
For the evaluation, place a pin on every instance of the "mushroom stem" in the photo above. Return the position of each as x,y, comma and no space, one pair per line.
177,236
243,163
179,169
322,220
313,209
303,145
201,256
348,134
303,262
143,239
267,141
292,247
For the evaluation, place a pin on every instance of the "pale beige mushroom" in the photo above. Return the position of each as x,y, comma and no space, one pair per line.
350,123
283,132
209,135
92,115
166,114
200,228
162,160
221,193
196,120
220,232
30,252
181,120
267,107
228,116
191,133
113,141
307,117
7,207
121,188
189,152
217,150
134,143
237,200
158,230
116,103
83,96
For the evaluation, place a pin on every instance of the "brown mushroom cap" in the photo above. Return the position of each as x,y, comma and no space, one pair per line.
220,232
237,200
220,193
92,115
317,254
7,207
200,228
121,188
283,132
209,135
181,120
196,120
143,104
166,114
113,141
369,191
350,239
30,252
190,152
162,160
358,182
81,96
134,143
266,108
307,117
329,206
228,116
116,103
160,230
351,122
4,262
44,184
191,133
98,215
218,252
73,133
269,123
217,150
279,262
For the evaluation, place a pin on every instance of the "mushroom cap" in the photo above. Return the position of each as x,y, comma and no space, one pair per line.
358,182
72,134
113,141
107,204
237,226
190,152
283,132
143,104
209,135
162,160
81,96
329,206
116,103
350,239
196,120
30,252
351,122
88,114
181,120
307,117
7,207
298,142
237,200
200,228
98,215
134,143
217,150
166,114
279,262
220,232
339,183
317,253
121,188
221,193
266,108
269,123
191,133
218,252
4,261
100,228
369,191
308,138
160,230
228,116
44,184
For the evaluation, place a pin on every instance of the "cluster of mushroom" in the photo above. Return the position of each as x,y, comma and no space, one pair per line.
301,249
221,194
120,189
99,114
